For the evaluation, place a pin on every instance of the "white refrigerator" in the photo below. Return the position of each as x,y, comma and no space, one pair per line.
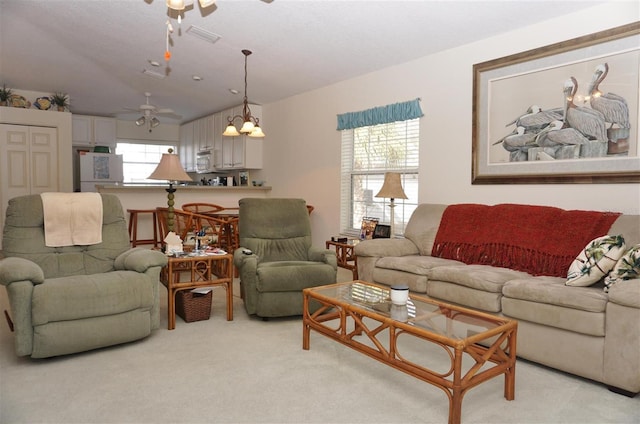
99,168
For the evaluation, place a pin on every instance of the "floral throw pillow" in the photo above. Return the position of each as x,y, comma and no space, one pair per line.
595,261
627,268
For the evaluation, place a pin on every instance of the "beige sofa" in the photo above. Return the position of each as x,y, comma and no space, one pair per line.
580,330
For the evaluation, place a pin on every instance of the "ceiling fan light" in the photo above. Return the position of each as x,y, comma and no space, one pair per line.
175,4
140,121
257,132
247,127
207,3
231,131
154,122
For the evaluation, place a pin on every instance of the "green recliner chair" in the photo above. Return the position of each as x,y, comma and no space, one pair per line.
72,299
282,262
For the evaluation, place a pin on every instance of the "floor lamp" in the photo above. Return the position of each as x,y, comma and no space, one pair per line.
392,189
171,170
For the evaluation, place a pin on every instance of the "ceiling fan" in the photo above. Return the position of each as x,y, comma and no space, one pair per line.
150,113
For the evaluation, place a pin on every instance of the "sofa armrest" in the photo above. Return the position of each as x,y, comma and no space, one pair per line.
19,269
326,256
626,293
386,247
139,259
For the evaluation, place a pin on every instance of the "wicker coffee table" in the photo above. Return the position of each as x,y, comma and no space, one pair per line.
479,346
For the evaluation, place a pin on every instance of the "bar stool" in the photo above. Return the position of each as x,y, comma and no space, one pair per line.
133,227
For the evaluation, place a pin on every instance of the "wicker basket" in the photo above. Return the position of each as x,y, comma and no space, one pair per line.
193,306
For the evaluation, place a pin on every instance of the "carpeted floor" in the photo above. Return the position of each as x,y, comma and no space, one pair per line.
252,371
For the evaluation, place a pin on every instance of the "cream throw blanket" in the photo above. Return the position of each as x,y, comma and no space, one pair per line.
72,219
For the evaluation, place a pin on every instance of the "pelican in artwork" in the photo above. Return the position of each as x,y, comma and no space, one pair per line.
555,135
612,106
535,119
518,138
588,121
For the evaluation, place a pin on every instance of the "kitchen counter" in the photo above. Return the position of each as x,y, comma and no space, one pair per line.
139,196
108,187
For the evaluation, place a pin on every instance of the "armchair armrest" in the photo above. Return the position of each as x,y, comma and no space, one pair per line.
241,260
386,247
139,260
19,269
327,256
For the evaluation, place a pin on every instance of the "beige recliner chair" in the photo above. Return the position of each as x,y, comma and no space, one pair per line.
76,298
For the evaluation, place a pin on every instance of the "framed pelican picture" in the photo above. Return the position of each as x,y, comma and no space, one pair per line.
564,113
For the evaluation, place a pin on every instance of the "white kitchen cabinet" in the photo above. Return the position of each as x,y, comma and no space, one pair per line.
219,124
186,149
206,128
93,131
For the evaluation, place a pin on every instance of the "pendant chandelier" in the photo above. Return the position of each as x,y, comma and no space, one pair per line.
181,4
249,123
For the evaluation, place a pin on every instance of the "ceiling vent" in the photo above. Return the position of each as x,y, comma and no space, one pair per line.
203,34
154,74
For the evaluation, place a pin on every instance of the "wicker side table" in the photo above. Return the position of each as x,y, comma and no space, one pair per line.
204,271
344,254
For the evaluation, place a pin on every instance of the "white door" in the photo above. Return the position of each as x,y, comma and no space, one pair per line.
28,162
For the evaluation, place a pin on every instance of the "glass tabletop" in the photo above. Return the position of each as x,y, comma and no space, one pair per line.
433,316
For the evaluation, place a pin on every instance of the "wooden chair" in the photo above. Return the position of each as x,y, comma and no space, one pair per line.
215,229
182,223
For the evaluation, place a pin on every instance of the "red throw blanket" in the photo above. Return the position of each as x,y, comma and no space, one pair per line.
539,240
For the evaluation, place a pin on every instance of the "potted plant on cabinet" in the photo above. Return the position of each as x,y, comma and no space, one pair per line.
60,100
5,94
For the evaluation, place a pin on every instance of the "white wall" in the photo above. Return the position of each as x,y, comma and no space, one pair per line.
302,148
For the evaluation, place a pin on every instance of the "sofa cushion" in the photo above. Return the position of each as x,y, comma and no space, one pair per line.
465,296
415,264
417,283
553,291
87,296
627,268
574,320
595,261
626,293
480,277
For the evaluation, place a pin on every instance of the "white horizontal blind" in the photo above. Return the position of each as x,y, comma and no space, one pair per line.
139,160
367,153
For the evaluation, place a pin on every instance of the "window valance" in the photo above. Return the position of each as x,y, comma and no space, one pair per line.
380,115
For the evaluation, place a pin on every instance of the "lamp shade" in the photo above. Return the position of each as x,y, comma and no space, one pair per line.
231,131
392,187
257,132
170,169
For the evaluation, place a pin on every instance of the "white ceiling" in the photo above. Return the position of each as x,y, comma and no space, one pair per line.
96,50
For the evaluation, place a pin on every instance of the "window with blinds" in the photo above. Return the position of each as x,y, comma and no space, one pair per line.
367,153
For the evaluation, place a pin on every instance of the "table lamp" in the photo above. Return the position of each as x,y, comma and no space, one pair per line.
170,169
392,189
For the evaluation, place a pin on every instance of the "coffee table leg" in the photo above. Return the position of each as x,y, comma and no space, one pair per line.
510,373
306,329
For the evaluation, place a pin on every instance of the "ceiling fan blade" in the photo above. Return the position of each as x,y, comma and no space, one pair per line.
169,115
